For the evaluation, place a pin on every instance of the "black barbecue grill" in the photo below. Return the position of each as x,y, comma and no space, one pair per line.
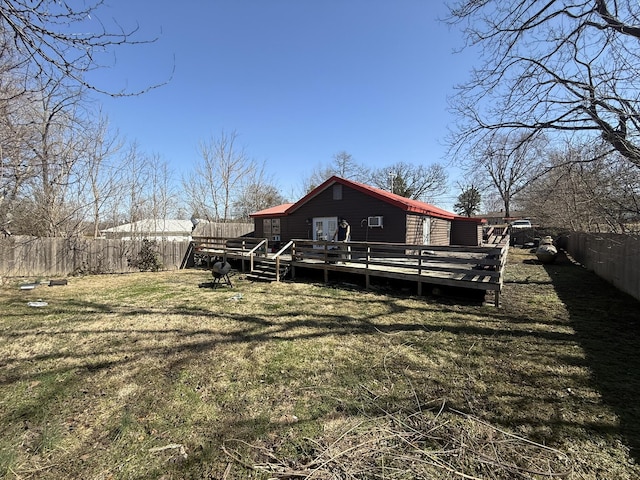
220,272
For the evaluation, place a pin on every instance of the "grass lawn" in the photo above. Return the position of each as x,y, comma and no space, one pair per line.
148,376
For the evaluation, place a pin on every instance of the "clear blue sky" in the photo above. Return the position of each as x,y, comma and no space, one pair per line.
298,80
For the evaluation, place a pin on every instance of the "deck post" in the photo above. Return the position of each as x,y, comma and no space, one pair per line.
367,278
293,260
496,301
419,272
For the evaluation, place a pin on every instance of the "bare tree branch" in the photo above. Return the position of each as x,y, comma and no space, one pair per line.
58,38
552,67
217,182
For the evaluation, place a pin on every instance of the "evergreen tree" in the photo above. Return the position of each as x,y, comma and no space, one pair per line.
468,201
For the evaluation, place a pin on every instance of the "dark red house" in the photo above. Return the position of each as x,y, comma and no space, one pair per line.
375,215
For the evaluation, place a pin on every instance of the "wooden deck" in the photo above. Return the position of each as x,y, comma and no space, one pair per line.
456,266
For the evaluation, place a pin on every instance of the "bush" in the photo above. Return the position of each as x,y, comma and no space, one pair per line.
147,259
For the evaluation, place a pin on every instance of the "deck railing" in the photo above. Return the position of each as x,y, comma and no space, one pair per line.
278,257
206,248
479,267
446,258
259,249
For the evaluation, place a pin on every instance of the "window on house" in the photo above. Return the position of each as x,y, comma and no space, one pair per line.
275,226
337,192
266,227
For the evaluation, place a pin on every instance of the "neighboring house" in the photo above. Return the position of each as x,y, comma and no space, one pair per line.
375,215
151,229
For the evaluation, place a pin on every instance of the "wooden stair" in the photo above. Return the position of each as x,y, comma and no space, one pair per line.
265,270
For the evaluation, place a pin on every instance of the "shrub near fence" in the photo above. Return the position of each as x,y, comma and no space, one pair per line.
22,256
613,257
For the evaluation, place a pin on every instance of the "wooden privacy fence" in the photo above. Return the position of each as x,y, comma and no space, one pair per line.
22,256
613,257
222,229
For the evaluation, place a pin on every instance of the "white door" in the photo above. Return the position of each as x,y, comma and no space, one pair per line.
324,227
426,230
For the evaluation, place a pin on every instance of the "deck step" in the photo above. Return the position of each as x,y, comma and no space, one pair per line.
265,271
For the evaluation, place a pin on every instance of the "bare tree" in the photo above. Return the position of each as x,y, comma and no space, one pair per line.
15,136
48,162
601,195
62,39
104,179
558,67
161,191
316,177
256,197
134,185
134,204
491,201
53,150
52,162
258,192
418,182
217,181
343,165
506,165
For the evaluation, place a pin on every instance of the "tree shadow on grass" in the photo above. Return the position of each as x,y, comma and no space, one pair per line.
606,322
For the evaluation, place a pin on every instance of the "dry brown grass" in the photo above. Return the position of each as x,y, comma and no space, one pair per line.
148,376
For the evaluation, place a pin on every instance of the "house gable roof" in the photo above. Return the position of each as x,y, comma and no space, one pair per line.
406,204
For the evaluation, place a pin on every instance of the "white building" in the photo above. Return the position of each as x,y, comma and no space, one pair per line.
152,229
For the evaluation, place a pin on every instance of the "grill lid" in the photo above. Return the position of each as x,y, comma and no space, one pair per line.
221,268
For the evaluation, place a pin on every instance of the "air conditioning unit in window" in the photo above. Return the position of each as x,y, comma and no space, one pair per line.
375,221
